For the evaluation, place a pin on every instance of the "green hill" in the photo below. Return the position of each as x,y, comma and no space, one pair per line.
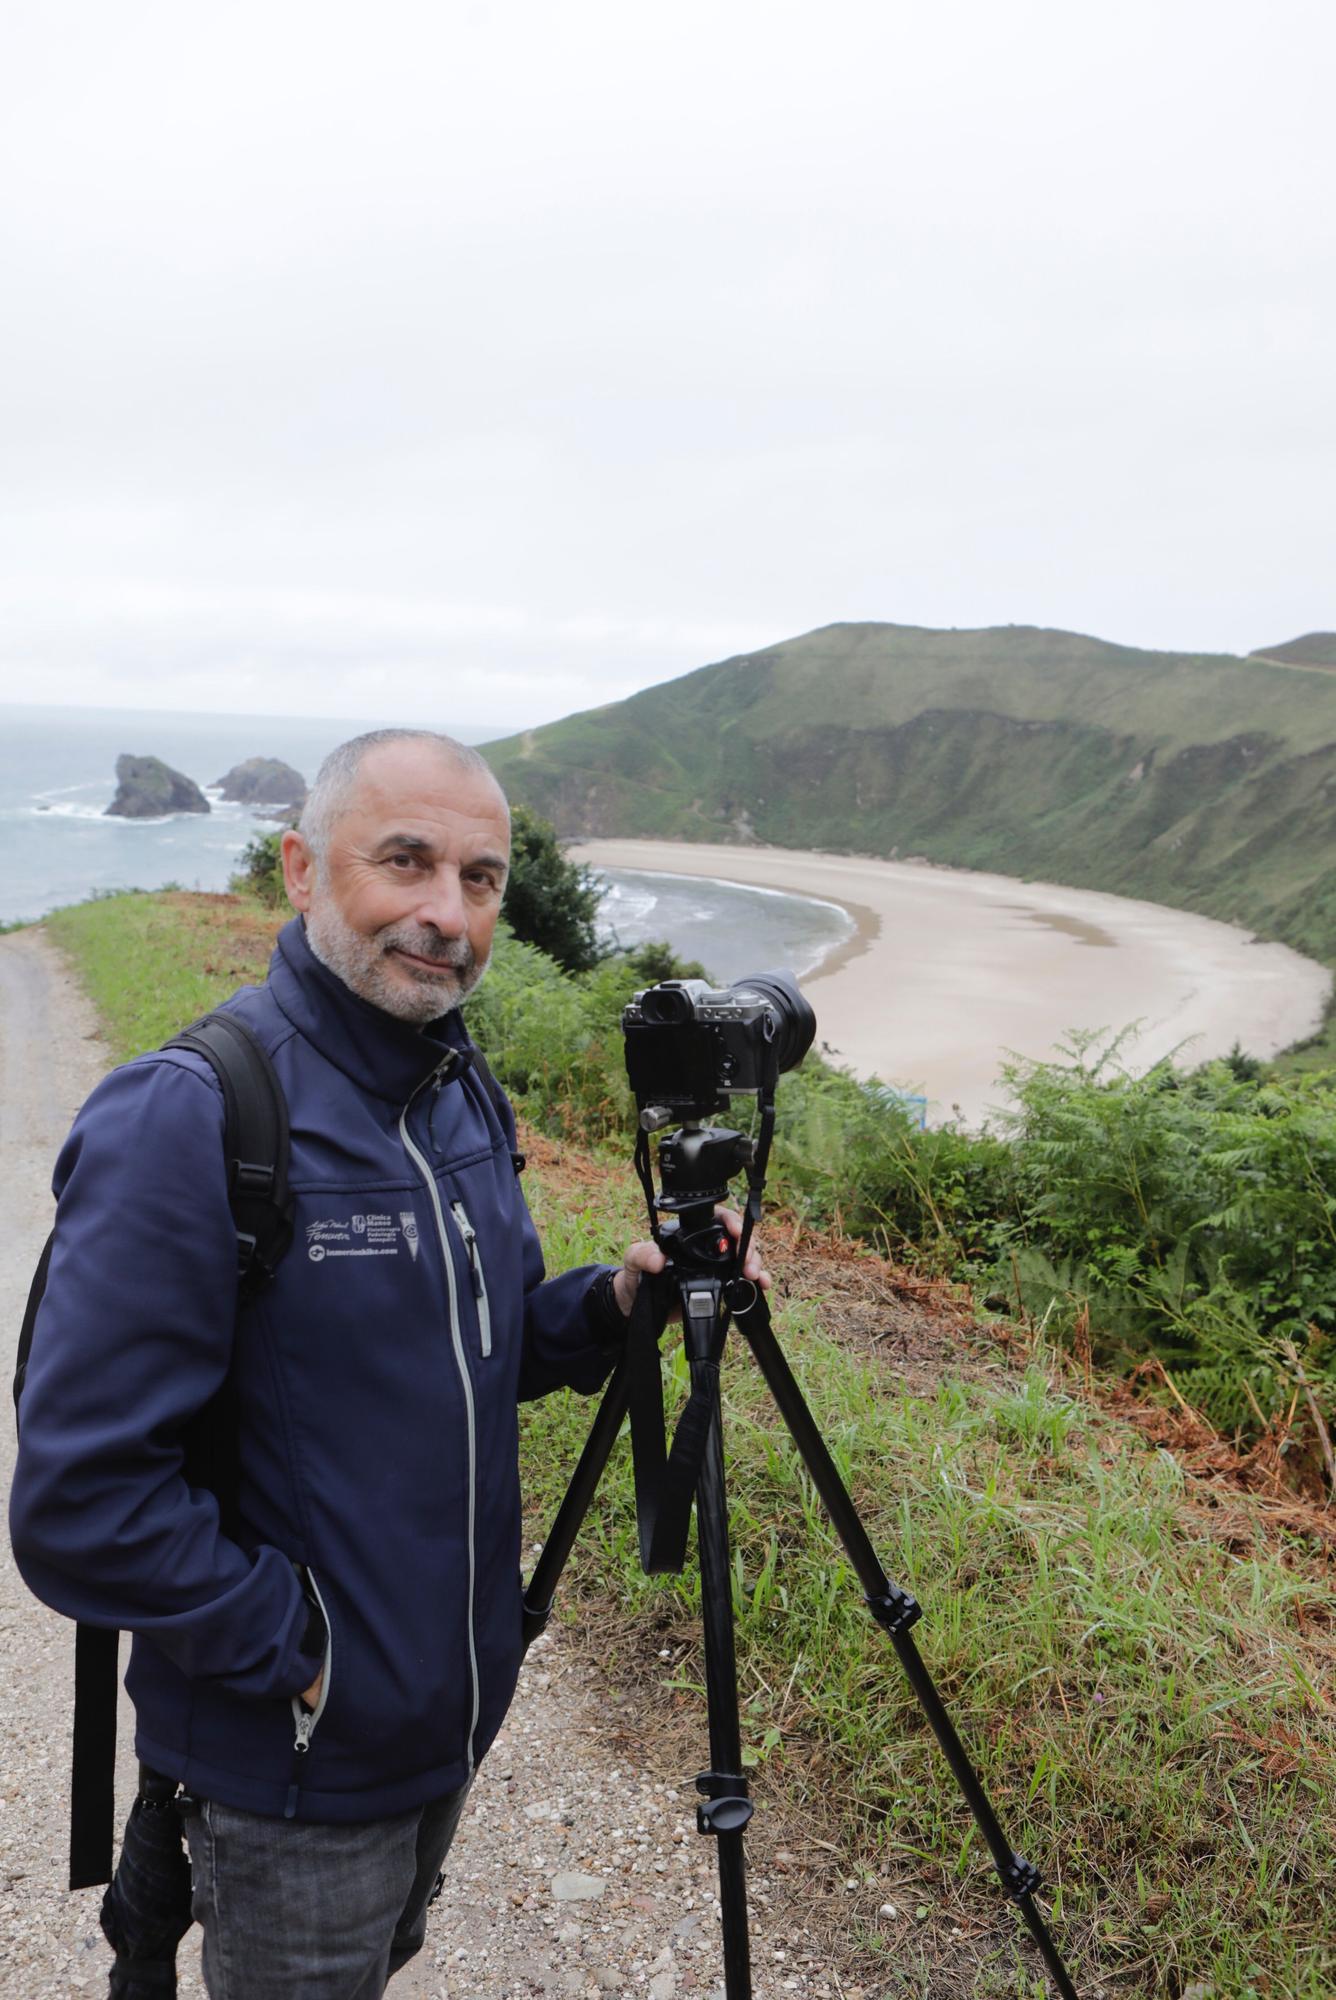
1315,649
1205,781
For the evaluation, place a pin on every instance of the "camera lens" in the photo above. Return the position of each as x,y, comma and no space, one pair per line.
795,1023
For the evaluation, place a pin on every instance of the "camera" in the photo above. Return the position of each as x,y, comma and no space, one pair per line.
691,1046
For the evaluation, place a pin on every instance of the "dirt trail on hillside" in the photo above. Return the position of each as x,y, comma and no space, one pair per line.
577,1871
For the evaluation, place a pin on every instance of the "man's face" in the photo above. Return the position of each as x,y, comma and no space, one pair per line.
405,901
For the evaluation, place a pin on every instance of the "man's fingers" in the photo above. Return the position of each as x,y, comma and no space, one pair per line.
646,1257
753,1268
641,1258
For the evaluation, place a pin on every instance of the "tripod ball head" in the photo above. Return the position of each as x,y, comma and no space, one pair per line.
697,1162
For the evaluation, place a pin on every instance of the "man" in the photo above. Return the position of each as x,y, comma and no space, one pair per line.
326,1681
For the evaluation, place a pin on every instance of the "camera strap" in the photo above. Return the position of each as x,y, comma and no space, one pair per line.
665,1480
751,1213
645,1409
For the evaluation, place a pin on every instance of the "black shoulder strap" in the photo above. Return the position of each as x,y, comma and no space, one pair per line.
499,1099
255,1141
35,1291
255,1147
93,1760
92,1789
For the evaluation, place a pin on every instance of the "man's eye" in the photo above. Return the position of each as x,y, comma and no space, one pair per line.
403,864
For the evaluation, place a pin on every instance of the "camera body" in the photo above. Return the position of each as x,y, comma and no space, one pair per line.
691,1046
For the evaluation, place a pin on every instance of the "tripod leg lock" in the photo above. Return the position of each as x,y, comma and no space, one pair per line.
725,1807
894,1610
1020,1878
533,1622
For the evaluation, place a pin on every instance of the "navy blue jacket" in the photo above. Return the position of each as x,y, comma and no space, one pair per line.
378,1375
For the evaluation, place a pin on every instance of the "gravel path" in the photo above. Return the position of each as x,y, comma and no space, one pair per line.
51,1055
577,1873
574,1872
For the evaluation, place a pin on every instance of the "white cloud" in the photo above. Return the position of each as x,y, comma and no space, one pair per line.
548,351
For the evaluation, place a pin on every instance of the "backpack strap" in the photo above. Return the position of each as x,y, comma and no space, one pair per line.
255,1147
35,1291
92,1789
93,1762
498,1096
255,1142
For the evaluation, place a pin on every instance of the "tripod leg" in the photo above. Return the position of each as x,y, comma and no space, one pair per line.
574,1506
725,1808
895,1611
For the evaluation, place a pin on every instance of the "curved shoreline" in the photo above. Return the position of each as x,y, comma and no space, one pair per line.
864,923
949,972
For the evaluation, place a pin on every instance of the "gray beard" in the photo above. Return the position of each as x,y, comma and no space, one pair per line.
362,964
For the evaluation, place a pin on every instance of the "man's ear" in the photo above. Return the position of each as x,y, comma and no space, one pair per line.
298,869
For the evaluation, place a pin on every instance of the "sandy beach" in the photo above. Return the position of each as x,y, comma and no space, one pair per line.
948,972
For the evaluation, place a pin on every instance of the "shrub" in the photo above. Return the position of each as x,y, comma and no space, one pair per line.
550,902
1194,1213
261,870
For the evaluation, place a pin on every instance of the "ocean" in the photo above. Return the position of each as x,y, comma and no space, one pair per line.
731,929
58,775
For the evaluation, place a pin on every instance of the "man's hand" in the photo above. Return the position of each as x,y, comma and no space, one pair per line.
648,1257
311,1696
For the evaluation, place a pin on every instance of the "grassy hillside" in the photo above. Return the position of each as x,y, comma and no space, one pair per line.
1314,649
1203,781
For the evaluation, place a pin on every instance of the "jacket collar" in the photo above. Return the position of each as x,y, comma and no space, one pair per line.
387,1057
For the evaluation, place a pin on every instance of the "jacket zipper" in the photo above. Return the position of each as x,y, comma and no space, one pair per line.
306,1719
470,1236
466,1383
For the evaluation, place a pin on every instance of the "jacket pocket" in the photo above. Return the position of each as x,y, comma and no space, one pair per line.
307,1720
476,1275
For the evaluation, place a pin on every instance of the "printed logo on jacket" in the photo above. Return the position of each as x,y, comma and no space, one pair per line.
361,1236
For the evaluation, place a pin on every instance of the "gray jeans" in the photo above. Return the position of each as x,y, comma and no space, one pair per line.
298,1912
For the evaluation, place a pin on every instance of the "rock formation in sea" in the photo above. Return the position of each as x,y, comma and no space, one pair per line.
146,788
267,782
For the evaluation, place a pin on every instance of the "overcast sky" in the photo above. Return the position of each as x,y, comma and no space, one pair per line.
481,362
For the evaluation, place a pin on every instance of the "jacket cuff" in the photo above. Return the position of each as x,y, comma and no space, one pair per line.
603,1316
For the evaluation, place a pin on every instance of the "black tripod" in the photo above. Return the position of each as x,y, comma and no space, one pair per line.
696,1163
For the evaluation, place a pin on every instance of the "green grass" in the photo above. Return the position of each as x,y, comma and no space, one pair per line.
1142,1679
152,963
1147,1720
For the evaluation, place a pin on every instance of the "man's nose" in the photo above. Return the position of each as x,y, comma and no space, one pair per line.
443,905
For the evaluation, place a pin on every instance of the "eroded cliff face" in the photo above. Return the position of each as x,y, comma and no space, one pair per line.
146,788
